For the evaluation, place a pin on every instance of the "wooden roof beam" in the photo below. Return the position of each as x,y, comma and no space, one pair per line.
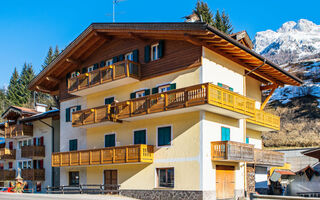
73,61
138,37
52,79
267,87
42,89
103,36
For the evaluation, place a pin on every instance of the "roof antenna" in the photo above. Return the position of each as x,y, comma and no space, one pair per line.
114,2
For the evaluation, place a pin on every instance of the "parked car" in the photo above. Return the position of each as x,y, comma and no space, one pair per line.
7,189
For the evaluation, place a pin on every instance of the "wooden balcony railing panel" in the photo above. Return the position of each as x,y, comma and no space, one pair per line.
91,116
265,119
33,174
232,151
109,155
7,175
102,75
18,130
267,157
7,154
32,151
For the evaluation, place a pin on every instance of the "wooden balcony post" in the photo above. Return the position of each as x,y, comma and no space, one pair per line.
113,72
130,108
89,80
140,152
70,159
113,155
60,159
90,157
101,156
100,75
207,93
127,68
186,98
127,154
227,150
165,101
147,99
79,157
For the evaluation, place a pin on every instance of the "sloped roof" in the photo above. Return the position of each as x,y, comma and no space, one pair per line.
44,115
18,111
243,37
197,33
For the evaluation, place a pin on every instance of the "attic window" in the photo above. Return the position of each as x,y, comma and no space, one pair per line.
90,69
109,62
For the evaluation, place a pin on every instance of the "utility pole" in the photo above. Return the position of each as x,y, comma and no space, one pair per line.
114,2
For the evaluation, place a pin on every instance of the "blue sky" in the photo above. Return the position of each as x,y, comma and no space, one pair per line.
28,28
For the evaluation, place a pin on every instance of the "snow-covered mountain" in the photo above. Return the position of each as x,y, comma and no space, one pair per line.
292,42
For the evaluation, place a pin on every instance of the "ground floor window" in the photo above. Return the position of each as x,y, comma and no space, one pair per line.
165,177
74,178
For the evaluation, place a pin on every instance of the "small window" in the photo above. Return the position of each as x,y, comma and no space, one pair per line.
24,165
19,144
165,177
129,56
29,164
90,69
225,87
108,100
140,93
110,140
140,137
73,145
164,136
154,52
164,88
225,134
10,165
25,143
109,62
74,178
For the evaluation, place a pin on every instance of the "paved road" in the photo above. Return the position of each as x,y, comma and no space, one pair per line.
12,196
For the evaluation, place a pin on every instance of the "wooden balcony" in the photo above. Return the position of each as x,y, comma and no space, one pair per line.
232,151
7,154
206,96
263,121
269,158
112,155
33,174
7,175
33,152
118,74
18,131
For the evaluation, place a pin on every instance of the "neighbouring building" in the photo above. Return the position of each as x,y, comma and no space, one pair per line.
163,110
31,135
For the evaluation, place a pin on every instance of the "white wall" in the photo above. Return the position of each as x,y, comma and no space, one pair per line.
261,177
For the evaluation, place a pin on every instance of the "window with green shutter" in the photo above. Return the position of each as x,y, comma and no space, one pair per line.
110,140
225,134
108,100
225,86
68,119
140,137
247,140
164,136
147,50
73,145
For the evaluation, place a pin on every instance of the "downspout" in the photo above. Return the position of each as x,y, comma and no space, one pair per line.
52,150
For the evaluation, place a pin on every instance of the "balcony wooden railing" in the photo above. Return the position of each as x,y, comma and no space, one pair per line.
106,74
180,98
32,151
232,151
267,157
7,175
18,130
7,154
265,119
33,174
110,155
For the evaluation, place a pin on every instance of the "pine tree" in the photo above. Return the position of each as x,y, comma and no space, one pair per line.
204,13
56,52
226,24
13,89
218,21
27,74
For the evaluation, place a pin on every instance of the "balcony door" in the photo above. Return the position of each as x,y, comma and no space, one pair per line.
225,182
110,179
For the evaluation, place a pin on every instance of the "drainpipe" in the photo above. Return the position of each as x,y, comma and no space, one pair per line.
52,150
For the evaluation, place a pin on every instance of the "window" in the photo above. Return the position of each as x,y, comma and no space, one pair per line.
108,100
164,88
140,94
90,69
129,56
225,134
74,74
140,137
25,143
225,87
10,165
110,140
164,136
20,165
165,177
109,62
73,145
29,164
247,140
69,112
19,144
72,109
73,178
154,52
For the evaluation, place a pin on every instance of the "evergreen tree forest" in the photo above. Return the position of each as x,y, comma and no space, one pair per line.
17,92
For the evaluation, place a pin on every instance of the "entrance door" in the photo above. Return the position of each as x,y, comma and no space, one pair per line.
225,181
110,179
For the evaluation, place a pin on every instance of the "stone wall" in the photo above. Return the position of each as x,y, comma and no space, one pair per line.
163,194
250,179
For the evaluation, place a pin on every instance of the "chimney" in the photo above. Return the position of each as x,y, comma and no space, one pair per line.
41,107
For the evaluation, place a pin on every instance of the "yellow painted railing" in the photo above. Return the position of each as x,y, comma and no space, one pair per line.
110,155
265,119
106,74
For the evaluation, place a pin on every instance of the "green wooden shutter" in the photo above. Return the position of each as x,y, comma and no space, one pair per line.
231,89
247,140
132,95
225,134
140,137
73,145
121,57
161,49
110,140
173,86
164,136
68,115
102,63
67,77
115,59
95,66
135,55
147,50
78,107
84,70
155,90
147,92
109,100
220,84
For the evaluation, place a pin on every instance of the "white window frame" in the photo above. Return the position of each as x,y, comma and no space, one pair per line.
140,92
90,69
141,129
156,52
115,138
166,146
108,98
109,62
72,109
164,87
130,54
